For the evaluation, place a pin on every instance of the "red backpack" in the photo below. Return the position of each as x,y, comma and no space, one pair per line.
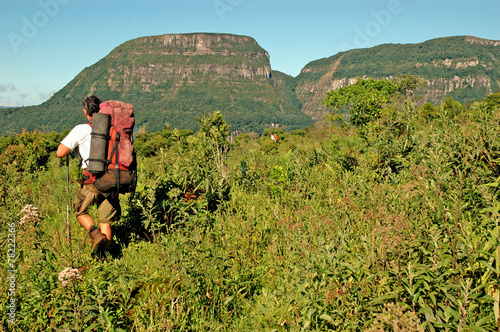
112,165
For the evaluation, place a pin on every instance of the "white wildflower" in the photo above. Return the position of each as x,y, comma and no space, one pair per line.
29,212
69,274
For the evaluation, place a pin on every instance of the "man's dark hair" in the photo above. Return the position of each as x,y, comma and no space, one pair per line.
91,104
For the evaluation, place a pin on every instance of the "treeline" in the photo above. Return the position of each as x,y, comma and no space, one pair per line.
154,111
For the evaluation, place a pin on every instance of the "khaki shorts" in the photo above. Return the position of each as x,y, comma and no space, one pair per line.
109,209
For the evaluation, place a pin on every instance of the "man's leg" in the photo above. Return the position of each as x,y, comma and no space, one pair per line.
109,212
86,221
86,196
106,230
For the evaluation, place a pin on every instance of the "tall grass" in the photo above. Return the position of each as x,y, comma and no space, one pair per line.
394,227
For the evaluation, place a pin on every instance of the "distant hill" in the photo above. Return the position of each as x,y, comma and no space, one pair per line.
465,68
172,79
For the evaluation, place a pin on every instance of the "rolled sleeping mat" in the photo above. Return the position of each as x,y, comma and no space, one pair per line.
99,143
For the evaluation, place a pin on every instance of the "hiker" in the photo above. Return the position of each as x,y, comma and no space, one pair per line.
109,209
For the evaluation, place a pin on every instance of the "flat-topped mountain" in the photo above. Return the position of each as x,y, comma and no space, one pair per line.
175,78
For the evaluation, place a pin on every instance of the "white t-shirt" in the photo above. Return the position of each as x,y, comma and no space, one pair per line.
79,136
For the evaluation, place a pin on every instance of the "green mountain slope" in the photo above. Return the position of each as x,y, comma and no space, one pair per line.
173,79
465,68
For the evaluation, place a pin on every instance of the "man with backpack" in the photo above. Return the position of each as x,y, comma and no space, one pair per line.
89,193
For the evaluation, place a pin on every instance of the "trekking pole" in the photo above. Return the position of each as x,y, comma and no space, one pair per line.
68,234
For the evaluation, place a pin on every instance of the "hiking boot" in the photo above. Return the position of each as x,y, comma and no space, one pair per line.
99,241
106,244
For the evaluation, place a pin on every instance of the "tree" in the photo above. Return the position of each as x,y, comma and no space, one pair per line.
451,108
365,99
215,129
493,101
407,84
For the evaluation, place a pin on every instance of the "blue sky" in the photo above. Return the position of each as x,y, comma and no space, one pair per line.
44,44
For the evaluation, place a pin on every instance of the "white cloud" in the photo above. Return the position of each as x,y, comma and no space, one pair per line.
7,87
8,104
46,95
20,95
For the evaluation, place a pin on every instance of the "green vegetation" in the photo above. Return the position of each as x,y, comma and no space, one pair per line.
365,99
330,228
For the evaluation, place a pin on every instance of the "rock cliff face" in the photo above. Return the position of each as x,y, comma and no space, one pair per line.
179,57
466,68
475,40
